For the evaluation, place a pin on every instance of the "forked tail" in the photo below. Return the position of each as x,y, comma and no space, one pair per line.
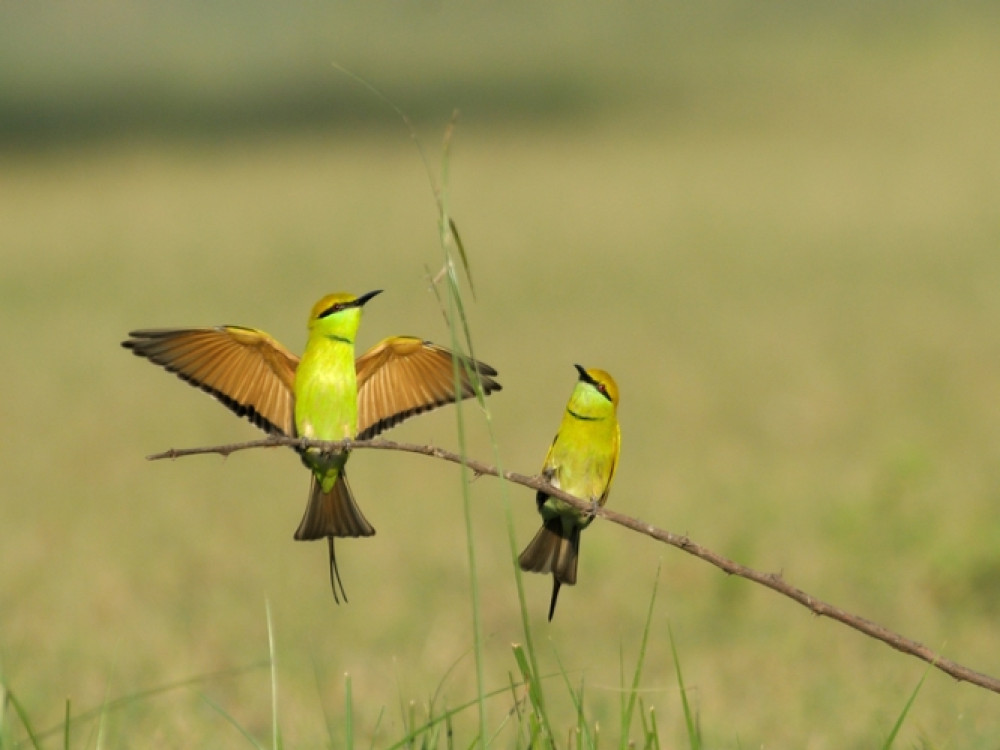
332,514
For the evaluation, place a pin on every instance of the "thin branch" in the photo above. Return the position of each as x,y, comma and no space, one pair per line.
773,581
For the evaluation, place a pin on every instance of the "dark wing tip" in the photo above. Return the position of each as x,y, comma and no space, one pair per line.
134,340
144,337
484,369
490,386
486,374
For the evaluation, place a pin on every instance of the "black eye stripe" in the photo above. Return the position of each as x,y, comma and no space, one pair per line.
599,386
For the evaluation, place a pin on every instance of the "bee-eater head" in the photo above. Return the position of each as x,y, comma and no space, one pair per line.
339,311
598,381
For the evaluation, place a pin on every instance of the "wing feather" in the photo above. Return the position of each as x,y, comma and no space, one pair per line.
245,369
403,376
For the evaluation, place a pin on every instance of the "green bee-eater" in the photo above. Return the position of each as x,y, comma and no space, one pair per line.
326,395
582,462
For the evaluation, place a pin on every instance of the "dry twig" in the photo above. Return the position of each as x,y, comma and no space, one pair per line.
773,581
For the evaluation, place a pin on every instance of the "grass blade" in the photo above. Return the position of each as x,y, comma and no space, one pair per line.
232,720
348,713
11,700
634,692
455,312
378,725
650,732
530,678
66,726
413,730
583,731
906,710
694,733
126,700
276,743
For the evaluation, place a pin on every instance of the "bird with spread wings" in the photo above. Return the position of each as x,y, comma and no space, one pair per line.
326,394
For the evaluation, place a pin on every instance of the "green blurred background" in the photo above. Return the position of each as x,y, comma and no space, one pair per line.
777,226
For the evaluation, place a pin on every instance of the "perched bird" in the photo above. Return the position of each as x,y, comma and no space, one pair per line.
582,462
325,395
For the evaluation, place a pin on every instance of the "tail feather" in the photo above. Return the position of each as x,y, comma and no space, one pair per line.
569,554
332,513
552,603
555,549
335,581
542,550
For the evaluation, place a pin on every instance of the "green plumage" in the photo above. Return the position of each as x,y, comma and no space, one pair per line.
581,461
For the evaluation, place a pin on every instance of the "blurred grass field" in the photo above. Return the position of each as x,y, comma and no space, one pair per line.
779,229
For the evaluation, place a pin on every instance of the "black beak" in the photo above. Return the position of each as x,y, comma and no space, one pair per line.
360,301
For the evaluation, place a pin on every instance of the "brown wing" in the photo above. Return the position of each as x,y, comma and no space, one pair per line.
403,376
245,369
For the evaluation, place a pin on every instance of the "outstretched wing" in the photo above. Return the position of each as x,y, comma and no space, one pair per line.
245,369
403,376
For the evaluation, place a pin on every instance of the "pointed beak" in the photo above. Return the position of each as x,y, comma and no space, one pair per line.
360,301
583,373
